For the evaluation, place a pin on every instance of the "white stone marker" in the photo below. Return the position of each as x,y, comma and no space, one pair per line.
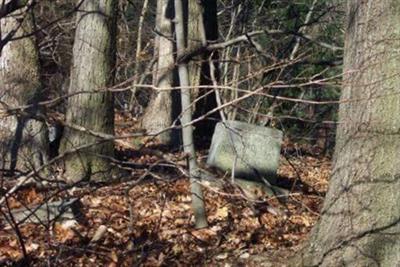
253,150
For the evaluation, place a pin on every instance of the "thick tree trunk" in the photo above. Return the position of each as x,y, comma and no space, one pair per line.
92,70
202,28
23,140
162,109
195,39
360,222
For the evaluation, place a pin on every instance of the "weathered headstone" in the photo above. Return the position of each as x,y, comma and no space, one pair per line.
58,210
252,150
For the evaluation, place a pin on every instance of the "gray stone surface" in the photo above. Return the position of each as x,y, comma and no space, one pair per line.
253,150
58,210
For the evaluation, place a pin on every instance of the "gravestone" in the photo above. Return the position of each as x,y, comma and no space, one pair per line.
253,151
58,210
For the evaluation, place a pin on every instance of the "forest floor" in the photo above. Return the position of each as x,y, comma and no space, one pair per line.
150,223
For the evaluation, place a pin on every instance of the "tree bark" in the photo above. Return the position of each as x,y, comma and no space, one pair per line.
359,224
93,72
163,109
9,6
187,130
23,139
202,28
195,38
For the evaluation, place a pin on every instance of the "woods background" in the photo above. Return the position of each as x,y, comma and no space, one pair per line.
108,106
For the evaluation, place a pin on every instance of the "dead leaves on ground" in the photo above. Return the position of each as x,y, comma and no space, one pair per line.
153,226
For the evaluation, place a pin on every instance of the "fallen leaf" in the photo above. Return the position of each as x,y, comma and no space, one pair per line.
221,213
114,256
222,256
245,256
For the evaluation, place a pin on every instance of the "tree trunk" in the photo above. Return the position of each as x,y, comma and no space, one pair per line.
201,21
92,70
187,130
195,38
359,225
162,109
23,139
202,28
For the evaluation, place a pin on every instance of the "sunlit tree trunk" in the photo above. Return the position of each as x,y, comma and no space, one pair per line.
23,139
187,130
163,108
360,219
202,28
92,70
195,39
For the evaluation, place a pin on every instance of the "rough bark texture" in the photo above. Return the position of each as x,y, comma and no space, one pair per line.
195,38
162,109
202,28
92,70
360,225
23,140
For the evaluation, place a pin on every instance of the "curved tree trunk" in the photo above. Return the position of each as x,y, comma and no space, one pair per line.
360,222
162,109
92,70
23,140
